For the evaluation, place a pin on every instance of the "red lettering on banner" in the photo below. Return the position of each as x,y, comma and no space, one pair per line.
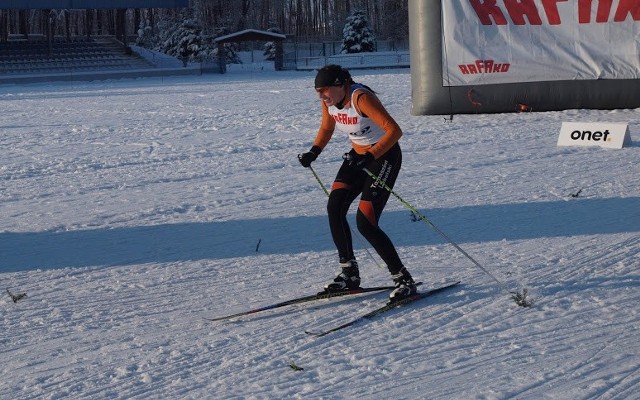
486,9
551,9
488,65
604,9
627,7
584,11
484,66
518,9
523,12
602,12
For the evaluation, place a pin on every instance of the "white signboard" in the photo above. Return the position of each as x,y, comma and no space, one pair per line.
508,41
610,135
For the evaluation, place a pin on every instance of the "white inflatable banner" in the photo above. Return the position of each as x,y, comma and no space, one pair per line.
508,41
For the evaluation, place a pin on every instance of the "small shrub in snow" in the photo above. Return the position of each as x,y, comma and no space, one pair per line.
16,297
522,299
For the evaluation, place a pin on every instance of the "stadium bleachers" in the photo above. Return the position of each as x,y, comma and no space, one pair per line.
20,57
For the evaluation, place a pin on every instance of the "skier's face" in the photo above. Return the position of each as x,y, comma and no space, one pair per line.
331,95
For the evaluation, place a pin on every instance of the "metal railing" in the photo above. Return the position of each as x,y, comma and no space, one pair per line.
358,60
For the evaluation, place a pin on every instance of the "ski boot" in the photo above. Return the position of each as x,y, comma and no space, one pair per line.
405,286
349,278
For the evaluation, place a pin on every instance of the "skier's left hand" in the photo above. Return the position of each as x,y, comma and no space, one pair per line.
359,161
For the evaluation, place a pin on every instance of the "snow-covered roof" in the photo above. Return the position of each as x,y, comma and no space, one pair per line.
250,34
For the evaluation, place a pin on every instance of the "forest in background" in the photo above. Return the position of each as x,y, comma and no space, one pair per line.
306,20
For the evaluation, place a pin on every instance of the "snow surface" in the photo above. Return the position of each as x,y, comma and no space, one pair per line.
133,209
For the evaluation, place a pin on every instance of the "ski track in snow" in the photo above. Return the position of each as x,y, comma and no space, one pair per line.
132,209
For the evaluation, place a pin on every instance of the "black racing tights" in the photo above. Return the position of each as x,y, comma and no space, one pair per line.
350,182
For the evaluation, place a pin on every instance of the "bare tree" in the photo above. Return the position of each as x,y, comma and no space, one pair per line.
321,19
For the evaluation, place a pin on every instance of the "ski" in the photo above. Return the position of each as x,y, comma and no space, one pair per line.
385,308
305,299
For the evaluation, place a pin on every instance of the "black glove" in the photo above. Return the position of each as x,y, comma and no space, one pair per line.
310,156
359,161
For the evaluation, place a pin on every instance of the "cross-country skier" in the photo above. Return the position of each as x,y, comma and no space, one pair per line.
355,110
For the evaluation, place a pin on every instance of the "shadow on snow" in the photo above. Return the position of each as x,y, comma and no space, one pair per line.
293,235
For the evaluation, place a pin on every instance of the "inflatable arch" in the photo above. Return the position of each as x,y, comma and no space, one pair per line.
489,56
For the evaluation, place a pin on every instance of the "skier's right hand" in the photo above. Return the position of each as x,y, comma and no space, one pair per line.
310,156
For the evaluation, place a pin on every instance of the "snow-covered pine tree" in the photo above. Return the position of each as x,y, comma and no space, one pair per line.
357,37
184,40
145,34
270,47
182,36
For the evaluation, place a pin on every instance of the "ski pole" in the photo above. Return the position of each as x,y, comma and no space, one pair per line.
319,181
354,234
378,181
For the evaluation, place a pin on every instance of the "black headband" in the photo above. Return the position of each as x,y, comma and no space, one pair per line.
332,75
